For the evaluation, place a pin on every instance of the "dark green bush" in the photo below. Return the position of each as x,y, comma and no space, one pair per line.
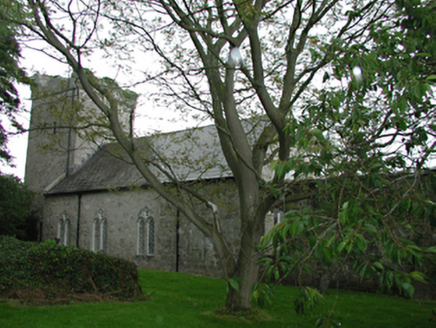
16,215
51,268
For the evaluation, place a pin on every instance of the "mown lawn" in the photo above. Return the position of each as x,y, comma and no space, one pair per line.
181,300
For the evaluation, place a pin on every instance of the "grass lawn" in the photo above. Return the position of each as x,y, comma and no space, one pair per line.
181,300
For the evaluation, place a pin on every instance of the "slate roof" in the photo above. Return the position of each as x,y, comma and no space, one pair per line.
191,155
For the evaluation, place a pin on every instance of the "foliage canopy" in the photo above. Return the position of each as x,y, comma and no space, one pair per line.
10,72
364,145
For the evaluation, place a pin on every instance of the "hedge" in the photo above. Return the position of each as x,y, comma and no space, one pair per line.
63,271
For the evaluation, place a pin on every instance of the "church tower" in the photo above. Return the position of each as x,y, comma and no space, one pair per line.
65,129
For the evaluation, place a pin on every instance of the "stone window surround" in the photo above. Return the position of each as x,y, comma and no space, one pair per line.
145,233
99,235
64,225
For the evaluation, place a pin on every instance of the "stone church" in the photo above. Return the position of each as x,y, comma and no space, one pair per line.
94,198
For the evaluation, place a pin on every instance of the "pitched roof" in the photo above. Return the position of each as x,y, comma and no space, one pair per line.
189,155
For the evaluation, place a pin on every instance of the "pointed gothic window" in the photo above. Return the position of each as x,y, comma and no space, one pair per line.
150,236
141,236
96,235
103,234
146,233
99,240
64,230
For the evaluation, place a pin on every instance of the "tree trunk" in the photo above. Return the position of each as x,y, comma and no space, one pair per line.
247,268
246,275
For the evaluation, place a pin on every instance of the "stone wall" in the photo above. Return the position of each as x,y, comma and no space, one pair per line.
47,151
179,245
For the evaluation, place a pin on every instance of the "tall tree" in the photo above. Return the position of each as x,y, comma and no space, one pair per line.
367,142
228,61
10,73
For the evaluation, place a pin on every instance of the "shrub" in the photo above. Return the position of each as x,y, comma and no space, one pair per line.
16,215
64,272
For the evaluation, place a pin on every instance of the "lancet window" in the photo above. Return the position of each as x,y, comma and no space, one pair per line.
146,233
64,229
99,243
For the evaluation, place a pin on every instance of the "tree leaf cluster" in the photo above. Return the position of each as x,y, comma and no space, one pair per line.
10,72
379,226
365,144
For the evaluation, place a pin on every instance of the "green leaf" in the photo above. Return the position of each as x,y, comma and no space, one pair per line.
332,238
408,289
265,240
296,228
349,247
431,249
362,270
418,276
318,135
413,249
389,279
343,216
276,273
370,228
398,282
233,282
360,242
283,266
281,168
378,265
335,102
341,246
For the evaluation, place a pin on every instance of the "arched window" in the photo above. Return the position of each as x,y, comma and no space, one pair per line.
146,233
96,235
64,230
150,236
103,234
141,237
99,240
